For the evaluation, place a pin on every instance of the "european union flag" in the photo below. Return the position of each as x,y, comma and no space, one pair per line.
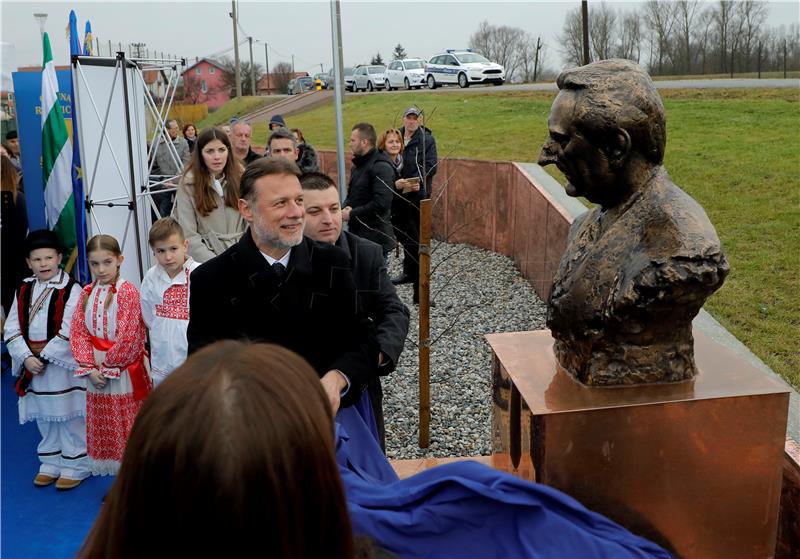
77,172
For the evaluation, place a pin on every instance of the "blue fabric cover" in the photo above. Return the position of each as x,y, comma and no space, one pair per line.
467,510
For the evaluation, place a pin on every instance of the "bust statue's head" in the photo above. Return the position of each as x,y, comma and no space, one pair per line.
607,130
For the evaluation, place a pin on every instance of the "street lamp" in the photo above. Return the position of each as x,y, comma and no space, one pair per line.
40,19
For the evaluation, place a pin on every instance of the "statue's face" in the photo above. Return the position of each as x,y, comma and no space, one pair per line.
584,165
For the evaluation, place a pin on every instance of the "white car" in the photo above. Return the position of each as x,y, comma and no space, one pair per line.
463,67
369,78
408,73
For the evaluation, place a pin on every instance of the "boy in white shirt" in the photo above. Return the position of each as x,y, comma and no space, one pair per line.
165,297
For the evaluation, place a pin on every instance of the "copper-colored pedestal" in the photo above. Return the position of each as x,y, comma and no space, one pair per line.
694,466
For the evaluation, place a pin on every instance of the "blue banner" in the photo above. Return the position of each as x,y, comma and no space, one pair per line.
28,97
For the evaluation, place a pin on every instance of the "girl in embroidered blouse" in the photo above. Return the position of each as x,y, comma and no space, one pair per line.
108,337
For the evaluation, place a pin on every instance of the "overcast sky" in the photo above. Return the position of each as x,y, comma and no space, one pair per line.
302,28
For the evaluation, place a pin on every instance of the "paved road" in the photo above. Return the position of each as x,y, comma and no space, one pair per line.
665,84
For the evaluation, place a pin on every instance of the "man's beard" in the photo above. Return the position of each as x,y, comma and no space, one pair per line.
265,235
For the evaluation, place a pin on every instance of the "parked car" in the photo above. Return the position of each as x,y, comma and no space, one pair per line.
290,87
348,78
302,85
323,79
408,73
369,78
463,67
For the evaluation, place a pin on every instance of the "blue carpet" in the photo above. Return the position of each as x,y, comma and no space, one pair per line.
38,522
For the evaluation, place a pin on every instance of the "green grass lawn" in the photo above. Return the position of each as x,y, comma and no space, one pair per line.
236,107
736,151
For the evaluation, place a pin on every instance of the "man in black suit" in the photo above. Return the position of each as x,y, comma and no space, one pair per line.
377,295
277,286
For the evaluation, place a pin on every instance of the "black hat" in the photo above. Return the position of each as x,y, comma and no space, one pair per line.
42,238
11,135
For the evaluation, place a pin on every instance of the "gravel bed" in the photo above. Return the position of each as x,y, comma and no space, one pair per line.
478,292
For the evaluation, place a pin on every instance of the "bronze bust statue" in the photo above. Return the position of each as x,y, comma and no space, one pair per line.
639,266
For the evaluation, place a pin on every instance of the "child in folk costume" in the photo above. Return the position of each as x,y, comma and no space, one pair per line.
165,297
38,335
108,338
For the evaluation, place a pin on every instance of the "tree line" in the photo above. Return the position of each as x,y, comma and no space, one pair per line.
685,37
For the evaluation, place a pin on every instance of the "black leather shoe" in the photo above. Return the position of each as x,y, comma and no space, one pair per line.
401,279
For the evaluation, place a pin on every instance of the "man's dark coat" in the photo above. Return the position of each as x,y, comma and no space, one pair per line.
378,298
311,309
370,194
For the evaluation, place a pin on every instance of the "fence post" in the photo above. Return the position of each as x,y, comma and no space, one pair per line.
424,322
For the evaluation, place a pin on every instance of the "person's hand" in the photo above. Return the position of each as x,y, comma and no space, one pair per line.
414,186
34,365
400,184
346,213
97,378
333,383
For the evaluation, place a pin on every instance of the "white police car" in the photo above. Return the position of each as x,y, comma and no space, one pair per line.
463,67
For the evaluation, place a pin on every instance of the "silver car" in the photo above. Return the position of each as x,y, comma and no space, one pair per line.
369,78
408,73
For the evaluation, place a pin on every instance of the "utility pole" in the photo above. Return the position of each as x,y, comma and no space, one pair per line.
252,69
237,70
759,60
292,65
585,17
266,55
536,58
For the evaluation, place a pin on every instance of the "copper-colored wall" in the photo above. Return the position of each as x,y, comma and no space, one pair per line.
497,206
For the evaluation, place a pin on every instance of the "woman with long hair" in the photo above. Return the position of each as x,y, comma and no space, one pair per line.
207,201
232,456
14,226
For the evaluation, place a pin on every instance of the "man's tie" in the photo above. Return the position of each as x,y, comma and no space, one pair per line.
279,269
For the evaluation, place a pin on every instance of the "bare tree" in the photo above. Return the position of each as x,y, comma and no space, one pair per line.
685,13
502,44
602,28
630,36
703,36
660,19
571,38
723,14
753,14
531,61
246,69
280,76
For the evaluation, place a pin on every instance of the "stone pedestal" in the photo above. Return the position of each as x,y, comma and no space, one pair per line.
695,466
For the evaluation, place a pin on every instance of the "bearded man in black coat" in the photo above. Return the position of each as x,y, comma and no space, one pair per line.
277,286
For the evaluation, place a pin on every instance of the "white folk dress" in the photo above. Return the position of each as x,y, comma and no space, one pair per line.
165,310
55,399
109,336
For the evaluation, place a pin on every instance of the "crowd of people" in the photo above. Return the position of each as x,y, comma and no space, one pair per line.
255,249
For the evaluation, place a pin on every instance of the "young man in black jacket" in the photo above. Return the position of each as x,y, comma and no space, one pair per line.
420,162
376,294
368,207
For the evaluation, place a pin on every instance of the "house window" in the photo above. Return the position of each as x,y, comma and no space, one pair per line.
212,70
203,86
198,70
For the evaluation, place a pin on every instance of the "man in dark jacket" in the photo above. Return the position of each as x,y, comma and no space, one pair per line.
368,207
420,162
376,293
277,286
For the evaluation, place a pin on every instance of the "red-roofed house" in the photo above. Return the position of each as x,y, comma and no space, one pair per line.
203,82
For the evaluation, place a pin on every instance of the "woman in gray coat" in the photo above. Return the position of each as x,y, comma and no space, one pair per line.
207,201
